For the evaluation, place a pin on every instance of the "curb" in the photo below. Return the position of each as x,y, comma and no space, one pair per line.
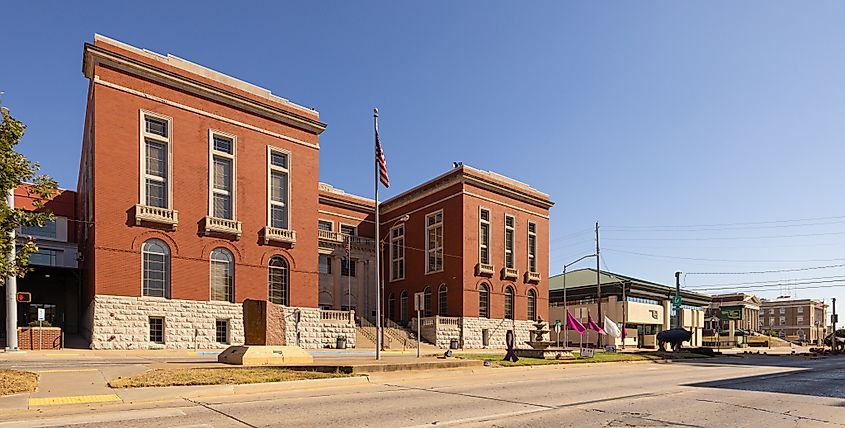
137,395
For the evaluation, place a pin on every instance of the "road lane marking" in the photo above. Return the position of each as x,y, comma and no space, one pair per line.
77,399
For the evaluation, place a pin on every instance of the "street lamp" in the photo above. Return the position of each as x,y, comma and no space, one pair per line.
565,310
380,287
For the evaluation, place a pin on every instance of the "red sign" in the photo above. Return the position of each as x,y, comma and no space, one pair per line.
24,297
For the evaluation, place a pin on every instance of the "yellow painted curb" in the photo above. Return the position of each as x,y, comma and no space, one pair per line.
78,399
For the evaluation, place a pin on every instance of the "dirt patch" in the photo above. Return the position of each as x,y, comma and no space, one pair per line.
14,382
222,376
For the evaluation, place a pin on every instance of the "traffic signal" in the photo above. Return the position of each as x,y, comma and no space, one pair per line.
24,297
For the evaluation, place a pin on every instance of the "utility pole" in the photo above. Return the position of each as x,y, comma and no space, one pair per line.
833,341
11,288
624,312
678,312
598,285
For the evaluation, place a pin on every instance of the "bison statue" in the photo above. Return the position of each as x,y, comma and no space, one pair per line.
674,337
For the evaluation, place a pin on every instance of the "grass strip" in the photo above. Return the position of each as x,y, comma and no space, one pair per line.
216,376
14,382
600,357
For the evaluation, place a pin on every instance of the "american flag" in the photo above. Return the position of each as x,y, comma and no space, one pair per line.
382,164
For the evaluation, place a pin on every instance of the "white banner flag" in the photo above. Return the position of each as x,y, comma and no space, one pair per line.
611,328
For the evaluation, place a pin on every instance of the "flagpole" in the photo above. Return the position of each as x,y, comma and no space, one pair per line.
379,322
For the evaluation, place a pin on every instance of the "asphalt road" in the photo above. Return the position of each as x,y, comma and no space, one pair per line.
760,392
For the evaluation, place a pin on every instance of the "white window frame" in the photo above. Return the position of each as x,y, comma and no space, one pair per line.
512,229
233,157
428,269
354,228
143,135
331,222
394,257
270,169
532,255
489,243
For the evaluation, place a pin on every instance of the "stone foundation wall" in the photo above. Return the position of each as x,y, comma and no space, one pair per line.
496,329
120,322
123,323
469,331
307,330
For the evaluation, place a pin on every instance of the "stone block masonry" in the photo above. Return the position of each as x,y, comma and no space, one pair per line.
470,331
124,323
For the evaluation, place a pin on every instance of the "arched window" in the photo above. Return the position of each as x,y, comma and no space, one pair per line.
427,300
391,306
278,281
442,301
509,302
222,275
403,306
484,301
156,268
532,305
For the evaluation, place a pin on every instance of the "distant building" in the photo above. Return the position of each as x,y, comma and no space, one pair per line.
742,308
647,306
803,320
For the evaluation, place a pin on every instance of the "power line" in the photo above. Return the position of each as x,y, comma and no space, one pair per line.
780,284
769,281
729,224
728,238
766,271
763,288
660,256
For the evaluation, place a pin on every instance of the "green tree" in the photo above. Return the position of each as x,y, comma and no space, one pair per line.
15,169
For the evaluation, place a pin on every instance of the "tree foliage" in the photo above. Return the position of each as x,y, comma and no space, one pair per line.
16,169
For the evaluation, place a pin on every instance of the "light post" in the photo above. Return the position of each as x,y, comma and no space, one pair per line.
380,285
565,310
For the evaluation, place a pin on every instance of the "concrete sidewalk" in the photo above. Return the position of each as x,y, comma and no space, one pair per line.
81,378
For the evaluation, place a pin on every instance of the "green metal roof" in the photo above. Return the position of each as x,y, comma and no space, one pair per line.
587,277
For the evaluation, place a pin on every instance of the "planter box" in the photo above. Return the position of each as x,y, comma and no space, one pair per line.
38,338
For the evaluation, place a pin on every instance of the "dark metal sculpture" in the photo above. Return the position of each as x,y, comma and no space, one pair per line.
674,337
509,340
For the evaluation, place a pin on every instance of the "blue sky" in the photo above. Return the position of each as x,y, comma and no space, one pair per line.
627,113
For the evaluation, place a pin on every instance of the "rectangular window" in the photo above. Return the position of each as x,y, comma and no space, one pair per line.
484,237
397,253
782,311
800,309
155,161
325,225
157,329
221,331
45,257
782,320
771,311
348,230
46,231
278,164
532,247
347,267
325,264
434,243
222,178
509,237
799,320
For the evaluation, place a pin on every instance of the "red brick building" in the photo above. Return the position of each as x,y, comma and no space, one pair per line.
475,243
198,191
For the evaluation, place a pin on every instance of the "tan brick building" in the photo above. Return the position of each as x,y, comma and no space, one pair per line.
799,320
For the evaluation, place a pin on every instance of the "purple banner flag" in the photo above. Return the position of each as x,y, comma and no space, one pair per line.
593,326
575,324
